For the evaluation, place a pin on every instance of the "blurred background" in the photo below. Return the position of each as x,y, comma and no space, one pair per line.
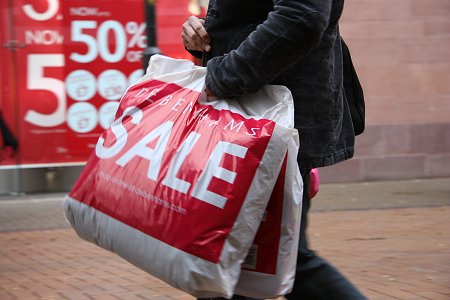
381,217
65,65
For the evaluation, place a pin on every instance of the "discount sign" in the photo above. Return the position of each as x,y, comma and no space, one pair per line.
128,36
74,61
103,57
36,111
71,61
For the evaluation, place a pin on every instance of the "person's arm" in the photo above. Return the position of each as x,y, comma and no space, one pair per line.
291,31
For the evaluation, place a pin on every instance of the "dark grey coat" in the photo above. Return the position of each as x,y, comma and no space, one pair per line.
295,43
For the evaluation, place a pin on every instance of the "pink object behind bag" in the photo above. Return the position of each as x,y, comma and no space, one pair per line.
314,182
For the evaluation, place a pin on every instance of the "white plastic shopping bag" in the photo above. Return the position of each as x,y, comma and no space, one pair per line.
178,186
269,268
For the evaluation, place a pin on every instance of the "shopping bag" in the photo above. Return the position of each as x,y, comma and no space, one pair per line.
178,185
269,269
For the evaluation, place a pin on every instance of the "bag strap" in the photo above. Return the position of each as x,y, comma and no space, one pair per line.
353,91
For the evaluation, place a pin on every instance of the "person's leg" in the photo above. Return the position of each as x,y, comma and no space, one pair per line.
315,278
235,297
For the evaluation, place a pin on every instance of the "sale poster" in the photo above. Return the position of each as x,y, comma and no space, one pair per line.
72,63
102,59
8,137
66,65
41,100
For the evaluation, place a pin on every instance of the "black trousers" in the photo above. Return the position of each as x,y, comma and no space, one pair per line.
315,278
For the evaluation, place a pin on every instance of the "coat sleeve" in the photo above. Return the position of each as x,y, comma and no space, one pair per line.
290,32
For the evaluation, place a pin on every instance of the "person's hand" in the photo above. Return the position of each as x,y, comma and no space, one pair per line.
194,35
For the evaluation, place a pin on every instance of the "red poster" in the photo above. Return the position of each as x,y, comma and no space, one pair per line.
103,57
40,84
73,61
33,98
65,67
8,134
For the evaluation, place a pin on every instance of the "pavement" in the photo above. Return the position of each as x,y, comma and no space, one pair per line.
392,240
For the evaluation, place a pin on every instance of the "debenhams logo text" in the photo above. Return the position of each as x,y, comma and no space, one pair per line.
179,104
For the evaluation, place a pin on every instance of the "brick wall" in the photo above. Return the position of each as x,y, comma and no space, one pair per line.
401,50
